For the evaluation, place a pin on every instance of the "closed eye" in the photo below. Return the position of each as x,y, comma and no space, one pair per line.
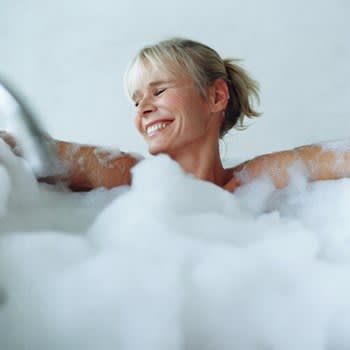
159,91
156,93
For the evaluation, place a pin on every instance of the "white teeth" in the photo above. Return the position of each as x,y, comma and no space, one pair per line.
155,127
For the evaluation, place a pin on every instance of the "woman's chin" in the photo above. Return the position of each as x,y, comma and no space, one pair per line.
156,149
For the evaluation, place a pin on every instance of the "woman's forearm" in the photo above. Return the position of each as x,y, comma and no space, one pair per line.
85,167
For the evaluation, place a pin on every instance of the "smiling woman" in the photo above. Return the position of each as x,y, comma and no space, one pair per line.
187,97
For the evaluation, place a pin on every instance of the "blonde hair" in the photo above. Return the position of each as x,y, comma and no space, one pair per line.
204,66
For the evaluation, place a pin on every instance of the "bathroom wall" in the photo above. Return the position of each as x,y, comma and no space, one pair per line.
68,58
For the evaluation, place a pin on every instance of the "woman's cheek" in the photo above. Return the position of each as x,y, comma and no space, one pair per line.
137,122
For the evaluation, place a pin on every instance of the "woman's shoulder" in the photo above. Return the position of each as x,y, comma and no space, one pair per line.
274,164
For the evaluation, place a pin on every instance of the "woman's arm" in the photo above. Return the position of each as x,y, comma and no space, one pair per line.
325,161
84,167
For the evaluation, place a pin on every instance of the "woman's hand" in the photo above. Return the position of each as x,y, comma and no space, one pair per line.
11,141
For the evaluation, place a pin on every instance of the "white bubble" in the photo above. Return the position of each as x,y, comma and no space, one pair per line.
173,263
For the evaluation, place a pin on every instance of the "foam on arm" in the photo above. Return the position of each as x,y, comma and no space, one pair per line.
85,167
324,161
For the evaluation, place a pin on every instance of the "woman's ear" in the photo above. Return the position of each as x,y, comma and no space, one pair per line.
219,95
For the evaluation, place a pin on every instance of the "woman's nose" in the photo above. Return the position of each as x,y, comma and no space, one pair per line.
146,107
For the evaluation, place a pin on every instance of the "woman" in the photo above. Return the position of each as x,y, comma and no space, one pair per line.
186,98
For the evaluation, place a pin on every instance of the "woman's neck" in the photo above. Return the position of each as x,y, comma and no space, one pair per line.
204,162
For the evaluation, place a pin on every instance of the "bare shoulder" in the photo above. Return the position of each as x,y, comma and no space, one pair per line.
323,161
262,162
275,165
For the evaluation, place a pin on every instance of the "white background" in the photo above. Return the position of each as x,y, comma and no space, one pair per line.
69,56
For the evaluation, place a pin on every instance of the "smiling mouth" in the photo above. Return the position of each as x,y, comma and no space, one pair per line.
157,127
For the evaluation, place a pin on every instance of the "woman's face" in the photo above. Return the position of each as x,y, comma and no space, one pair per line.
171,114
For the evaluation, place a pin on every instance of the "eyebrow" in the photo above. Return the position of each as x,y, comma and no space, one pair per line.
151,84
